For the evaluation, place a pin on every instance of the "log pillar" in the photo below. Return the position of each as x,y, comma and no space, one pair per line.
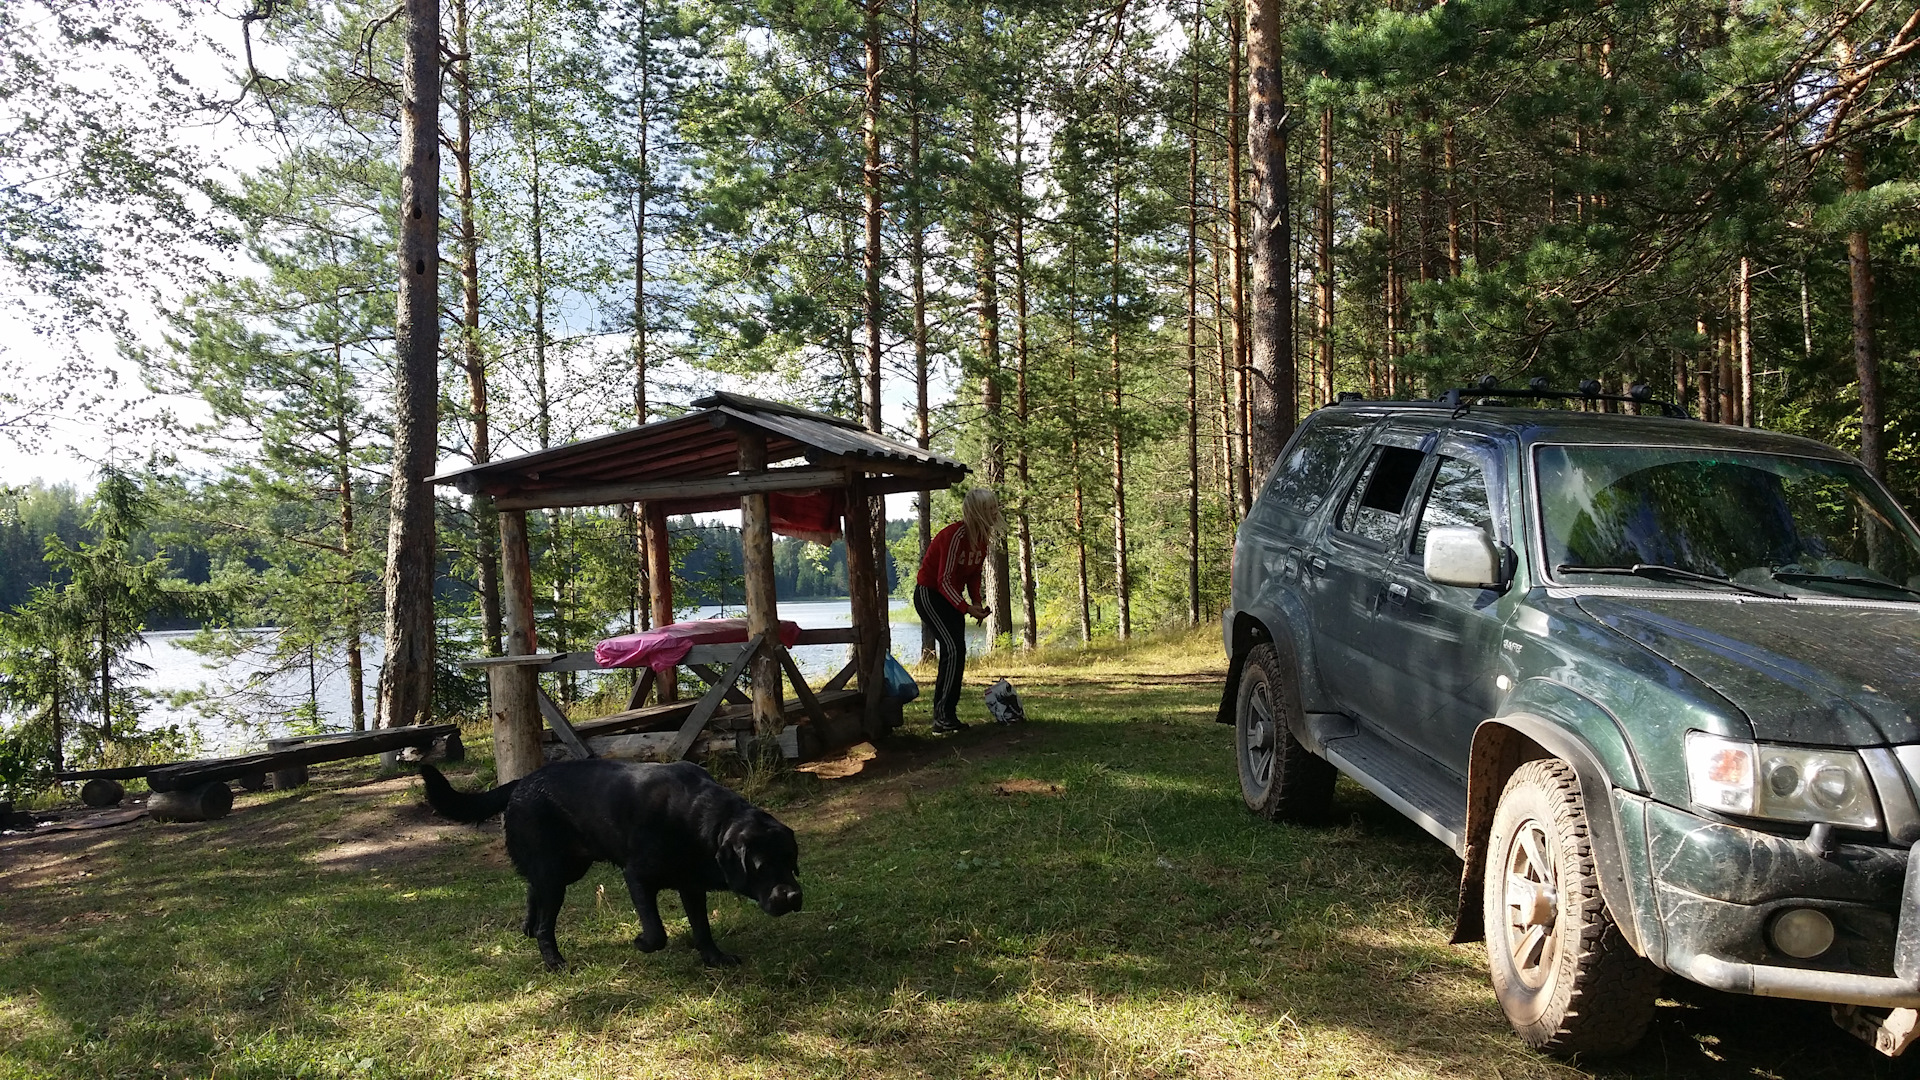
511,698
660,590
868,609
763,610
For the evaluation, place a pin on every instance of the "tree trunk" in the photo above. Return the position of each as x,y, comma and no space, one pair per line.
406,676
642,199
917,255
1029,625
1323,254
1073,430
486,523
1271,357
1238,445
1746,341
1866,359
1193,326
1122,583
994,453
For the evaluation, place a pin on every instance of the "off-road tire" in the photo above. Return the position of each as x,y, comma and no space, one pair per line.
1280,779
1580,988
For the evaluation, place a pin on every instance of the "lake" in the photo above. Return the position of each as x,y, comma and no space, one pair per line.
244,704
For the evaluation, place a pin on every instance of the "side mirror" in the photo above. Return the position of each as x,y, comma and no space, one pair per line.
1465,557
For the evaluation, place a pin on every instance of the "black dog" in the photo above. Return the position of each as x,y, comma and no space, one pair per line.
665,826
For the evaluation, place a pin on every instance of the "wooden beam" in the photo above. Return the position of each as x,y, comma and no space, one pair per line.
562,727
791,479
712,678
512,690
863,582
800,688
640,687
660,586
710,701
516,584
184,775
763,609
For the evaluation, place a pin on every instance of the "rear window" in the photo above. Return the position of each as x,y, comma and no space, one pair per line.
1304,481
1379,495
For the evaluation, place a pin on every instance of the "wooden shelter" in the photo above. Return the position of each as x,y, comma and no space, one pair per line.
731,451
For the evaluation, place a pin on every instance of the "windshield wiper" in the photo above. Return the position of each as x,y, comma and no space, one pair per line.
1672,573
1778,574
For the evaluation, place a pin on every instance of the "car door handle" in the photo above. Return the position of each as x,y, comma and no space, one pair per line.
1397,592
1319,564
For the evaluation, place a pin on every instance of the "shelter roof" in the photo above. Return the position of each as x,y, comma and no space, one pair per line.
690,463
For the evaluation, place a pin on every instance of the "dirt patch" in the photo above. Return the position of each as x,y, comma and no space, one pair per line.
1028,787
868,780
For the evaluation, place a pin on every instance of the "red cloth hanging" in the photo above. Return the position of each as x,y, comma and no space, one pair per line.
808,515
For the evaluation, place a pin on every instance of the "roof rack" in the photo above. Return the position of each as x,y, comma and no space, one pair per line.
1462,398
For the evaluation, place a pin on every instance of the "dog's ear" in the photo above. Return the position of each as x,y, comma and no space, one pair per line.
732,857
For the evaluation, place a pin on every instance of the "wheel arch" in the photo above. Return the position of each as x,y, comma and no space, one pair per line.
1500,746
1250,627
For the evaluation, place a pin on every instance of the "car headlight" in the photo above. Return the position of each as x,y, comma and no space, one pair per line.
1784,783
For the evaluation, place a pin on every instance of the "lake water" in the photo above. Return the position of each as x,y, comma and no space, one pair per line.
243,704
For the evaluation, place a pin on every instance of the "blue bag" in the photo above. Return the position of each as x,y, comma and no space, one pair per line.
900,686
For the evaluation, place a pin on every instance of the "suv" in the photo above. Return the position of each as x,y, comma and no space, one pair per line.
1655,681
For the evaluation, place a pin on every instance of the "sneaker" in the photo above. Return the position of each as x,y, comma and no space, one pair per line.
948,727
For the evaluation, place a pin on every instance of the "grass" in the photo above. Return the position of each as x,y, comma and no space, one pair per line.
1079,897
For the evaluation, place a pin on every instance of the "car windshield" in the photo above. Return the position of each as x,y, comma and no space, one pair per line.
1681,518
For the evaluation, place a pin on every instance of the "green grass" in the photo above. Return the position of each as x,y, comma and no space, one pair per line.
1116,915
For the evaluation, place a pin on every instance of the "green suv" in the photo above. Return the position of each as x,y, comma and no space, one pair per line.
1655,681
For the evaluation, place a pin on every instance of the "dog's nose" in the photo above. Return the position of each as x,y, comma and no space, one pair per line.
782,899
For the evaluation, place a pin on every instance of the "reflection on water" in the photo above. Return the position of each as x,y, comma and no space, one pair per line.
246,704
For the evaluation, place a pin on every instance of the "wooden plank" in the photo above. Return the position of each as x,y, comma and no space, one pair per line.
712,678
522,660
640,687
790,479
190,774
840,677
656,745
828,635
562,727
800,688
709,655
683,741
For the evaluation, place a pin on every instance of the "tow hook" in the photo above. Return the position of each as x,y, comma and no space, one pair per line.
1888,1031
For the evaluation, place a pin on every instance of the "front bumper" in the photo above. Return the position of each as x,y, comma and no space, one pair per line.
1718,887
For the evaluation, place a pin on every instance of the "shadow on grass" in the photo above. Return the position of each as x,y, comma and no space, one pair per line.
1121,915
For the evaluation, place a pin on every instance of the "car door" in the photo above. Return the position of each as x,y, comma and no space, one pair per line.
1347,569
1440,643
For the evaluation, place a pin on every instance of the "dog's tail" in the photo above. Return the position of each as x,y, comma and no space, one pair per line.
463,806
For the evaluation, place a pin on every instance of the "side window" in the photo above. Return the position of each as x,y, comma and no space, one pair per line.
1379,496
1305,479
1456,498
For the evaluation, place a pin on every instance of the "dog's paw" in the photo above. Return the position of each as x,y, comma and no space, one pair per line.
649,943
555,963
716,958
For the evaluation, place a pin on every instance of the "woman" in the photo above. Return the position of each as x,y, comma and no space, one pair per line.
951,564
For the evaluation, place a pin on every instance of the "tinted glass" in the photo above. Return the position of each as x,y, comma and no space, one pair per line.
1799,524
1379,494
1457,498
1305,479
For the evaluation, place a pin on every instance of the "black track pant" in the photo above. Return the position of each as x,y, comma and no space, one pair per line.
949,625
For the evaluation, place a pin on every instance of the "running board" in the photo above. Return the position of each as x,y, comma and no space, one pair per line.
1405,781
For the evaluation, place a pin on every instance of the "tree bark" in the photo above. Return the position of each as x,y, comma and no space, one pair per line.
1193,325
917,255
1023,531
1271,357
1122,582
406,676
1323,253
472,361
994,453
1866,358
1746,341
1238,446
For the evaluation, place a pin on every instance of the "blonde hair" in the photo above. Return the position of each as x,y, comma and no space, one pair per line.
980,511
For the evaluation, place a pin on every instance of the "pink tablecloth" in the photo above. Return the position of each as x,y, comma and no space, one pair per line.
662,648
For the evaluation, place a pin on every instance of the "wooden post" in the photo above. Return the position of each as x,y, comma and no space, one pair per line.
512,701
660,588
863,581
763,612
